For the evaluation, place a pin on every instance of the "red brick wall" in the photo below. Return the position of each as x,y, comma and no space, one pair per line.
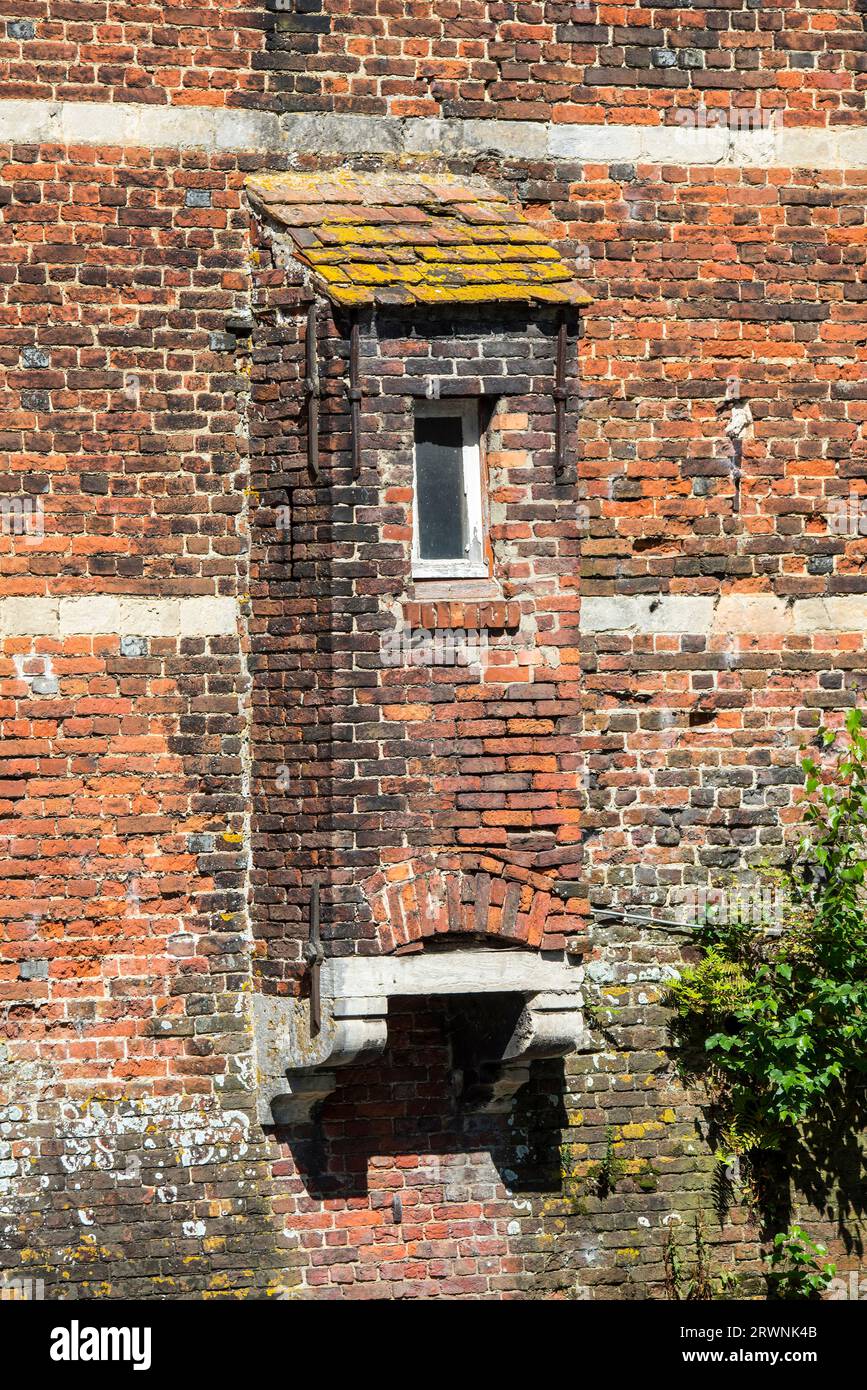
548,60
133,754
118,285
124,948
190,55
562,62
130,1157
435,798
402,1196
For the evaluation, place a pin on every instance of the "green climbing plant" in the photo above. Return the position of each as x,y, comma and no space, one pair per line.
796,1267
610,1167
776,1021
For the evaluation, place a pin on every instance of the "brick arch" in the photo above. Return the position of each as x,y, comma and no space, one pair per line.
414,900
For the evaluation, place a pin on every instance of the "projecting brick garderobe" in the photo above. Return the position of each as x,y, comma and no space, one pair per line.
431,525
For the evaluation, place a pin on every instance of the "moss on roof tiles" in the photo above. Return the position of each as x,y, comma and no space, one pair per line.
413,238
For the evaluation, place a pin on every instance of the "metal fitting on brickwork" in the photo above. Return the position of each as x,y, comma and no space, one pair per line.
311,384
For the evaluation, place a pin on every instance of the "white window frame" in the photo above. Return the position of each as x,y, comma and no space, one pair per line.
467,410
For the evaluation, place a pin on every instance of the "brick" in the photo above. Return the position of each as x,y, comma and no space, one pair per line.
196,715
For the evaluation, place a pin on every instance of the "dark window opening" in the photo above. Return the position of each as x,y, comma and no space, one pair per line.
442,499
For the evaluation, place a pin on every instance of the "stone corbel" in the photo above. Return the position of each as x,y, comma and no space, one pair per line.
297,1068
550,1025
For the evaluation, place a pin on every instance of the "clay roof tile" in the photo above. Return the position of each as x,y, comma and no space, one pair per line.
367,239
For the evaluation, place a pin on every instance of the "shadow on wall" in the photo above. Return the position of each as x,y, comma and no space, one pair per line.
823,1166
819,1168
405,1105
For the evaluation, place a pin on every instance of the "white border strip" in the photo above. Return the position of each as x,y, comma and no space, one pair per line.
104,615
743,615
104,124
839,148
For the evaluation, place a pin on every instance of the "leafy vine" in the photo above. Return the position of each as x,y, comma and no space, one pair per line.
774,1019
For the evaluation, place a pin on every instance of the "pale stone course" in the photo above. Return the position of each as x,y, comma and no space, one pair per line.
219,128
107,614
735,614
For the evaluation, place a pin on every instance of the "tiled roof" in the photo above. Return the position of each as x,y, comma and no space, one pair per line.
413,238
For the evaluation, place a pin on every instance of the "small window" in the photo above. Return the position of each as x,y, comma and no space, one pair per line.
447,512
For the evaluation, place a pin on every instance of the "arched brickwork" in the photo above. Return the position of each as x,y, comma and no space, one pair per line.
415,900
